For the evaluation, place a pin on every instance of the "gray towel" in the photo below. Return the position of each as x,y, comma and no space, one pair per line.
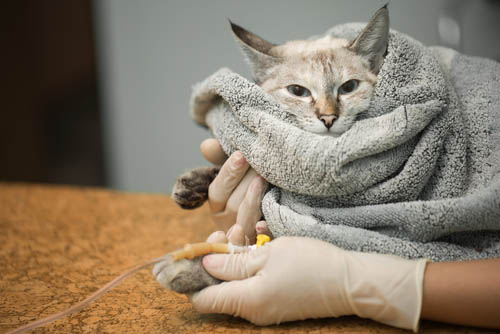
416,176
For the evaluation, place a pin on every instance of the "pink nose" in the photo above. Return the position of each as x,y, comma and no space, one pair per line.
328,120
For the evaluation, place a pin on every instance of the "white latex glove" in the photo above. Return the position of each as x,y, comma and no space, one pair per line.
295,278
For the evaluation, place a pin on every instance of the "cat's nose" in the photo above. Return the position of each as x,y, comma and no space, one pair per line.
328,120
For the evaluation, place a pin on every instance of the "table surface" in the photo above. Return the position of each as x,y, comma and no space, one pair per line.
59,244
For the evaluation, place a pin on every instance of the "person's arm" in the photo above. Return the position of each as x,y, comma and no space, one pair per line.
466,293
300,278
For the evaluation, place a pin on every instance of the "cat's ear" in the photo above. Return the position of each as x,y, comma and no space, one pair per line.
256,51
372,42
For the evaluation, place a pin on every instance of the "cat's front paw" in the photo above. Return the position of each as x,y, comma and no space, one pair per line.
191,189
183,276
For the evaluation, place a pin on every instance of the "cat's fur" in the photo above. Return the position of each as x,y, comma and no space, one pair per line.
325,83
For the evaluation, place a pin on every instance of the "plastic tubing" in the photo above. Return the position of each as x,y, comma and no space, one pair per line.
189,251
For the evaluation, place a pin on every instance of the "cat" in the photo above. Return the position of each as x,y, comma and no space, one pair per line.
324,83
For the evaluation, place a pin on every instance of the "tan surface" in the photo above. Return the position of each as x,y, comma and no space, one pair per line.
59,244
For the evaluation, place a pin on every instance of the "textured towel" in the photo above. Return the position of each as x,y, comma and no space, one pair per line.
417,176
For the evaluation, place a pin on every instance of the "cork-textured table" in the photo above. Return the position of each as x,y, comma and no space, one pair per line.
60,244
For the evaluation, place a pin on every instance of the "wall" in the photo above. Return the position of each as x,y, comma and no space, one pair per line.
50,129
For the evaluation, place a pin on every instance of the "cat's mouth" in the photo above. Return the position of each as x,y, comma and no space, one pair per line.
333,133
319,128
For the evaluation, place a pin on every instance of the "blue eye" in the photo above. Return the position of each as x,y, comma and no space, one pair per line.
348,86
298,91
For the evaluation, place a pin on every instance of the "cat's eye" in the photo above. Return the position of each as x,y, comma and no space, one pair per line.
298,91
348,86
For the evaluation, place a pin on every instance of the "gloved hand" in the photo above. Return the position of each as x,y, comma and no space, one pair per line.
235,195
293,278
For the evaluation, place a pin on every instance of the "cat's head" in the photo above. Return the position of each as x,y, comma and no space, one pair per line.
325,83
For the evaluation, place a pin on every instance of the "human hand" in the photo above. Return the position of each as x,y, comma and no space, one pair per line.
235,195
295,278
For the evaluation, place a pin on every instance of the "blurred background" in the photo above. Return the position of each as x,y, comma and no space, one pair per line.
96,93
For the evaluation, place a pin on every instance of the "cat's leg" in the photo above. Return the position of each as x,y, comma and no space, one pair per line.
191,188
